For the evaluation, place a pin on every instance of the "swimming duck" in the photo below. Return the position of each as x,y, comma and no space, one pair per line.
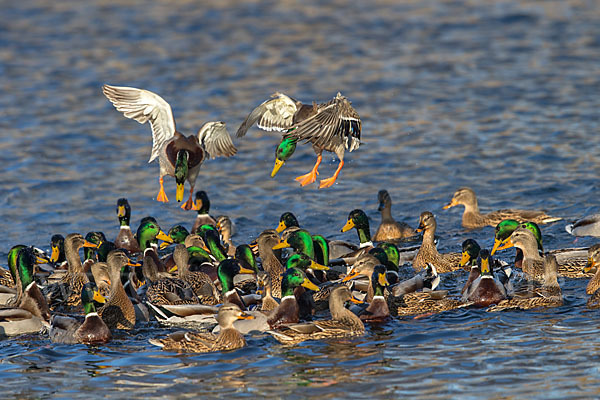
378,310
288,311
358,219
470,254
201,283
148,234
524,239
428,252
594,283
89,253
118,311
343,322
125,239
472,218
270,263
179,156
195,342
161,289
586,226
549,295
226,272
31,312
333,126
390,229
203,207
92,330
485,290
287,220
226,228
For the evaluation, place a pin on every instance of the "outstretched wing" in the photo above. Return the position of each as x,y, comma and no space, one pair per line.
276,114
143,106
215,139
334,121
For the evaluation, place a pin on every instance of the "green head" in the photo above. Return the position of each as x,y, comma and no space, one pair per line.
89,295
25,262
503,231
287,220
293,278
57,244
149,232
227,269
181,172
198,255
105,248
13,253
537,232
96,238
212,239
321,249
283,152
246,257
382,256
470,252
300,241
379,280
303,262
358,219
393,254
178,233
123,211
202,202
485,262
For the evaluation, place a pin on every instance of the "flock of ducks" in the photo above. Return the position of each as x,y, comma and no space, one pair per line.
288,283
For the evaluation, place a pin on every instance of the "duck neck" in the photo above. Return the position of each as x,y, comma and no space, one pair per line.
386,212
364,235
73,259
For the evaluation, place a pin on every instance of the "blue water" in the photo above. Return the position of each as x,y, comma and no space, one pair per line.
501,97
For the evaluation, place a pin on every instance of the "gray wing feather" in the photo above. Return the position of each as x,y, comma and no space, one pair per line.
215,139
276,114
144,106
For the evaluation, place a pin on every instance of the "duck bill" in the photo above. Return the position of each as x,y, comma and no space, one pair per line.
245,316
90,244
382,279
450,205
351,276
121,211
164,237
281,245
174,269
317,266
179,192
419,229
485,266
381,206
244,270
309,285
505,244
281,227
98,297
276,167
589,265
356,301
465,259
133,264
497,243
42,259
55,254
349,225
163,245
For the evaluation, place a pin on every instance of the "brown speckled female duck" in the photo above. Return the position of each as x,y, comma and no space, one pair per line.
390,229
594,283
118,312
428,253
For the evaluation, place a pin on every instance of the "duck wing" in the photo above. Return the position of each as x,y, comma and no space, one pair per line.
275,114
215,139
334,121
143,106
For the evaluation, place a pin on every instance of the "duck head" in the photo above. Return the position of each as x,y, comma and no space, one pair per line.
283,152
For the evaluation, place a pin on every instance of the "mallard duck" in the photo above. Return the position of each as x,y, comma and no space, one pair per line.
428,252
358,219
89,253
268,303
472,218
378,310
125,239
194,342
57,255
179,156
148,234
270,263
525,240
10,284
287,220
470,253
92,330
427,303
549,295
288,311
212,241
161,289
201,283
594,283
300,240
343,322
333,126
31,313
226,228
390,229
118,311
203,207
363,267
586,226
485,290
226,272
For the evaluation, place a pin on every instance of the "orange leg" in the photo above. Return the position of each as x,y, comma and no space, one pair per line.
325,183
162,196
312,175
189,204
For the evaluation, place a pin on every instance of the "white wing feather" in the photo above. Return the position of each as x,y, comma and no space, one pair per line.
215,139
143,106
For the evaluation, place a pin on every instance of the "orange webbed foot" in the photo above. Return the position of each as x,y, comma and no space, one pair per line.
189,204
162,196
307,179
325,183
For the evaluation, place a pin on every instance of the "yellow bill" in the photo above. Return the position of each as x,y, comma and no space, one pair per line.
309,285
179,192
505,244
382,279
349,225
281,227
281,245
317,266
465,258
55,254
98,297
121,211
278,164
163,236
